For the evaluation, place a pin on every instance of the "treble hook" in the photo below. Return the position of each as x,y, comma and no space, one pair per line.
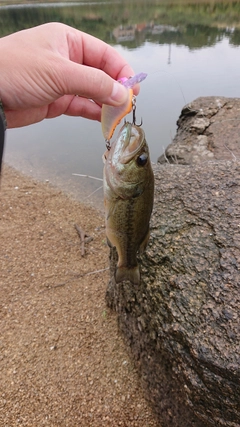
108,145
134,106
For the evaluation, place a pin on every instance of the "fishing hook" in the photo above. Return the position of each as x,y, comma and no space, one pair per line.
108,145
134,106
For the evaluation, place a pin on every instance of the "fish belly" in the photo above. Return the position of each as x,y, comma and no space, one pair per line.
127,228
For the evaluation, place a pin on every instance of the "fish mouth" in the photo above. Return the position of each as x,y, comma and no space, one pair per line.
132,141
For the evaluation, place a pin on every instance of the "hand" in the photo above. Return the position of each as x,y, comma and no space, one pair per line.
43,68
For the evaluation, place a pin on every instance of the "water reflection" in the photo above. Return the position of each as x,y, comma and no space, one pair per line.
188,50
143,31
49,4
190,23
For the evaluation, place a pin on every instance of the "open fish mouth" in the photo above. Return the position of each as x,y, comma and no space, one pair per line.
126,161
128,145
132,143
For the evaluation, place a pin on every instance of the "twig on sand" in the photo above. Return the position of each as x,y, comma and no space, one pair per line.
87,197
84,238
234,157
87,176
76,276
95,271
165,156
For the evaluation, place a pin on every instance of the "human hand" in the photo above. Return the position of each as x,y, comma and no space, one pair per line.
43,68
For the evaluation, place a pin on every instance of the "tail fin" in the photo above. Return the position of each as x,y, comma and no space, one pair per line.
126,273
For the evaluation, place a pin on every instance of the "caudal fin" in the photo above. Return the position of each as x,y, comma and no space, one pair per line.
125,273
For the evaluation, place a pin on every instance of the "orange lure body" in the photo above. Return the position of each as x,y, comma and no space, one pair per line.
111,116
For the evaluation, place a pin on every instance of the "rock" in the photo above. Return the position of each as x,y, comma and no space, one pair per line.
182,323
208,129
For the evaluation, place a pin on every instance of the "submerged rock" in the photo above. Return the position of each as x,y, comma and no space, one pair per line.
182,323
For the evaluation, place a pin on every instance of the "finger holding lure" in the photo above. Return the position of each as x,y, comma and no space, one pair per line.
111,116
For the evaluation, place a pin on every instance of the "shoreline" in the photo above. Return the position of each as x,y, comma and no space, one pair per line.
63,361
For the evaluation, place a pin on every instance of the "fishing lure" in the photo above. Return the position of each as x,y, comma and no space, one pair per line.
132,81
111,116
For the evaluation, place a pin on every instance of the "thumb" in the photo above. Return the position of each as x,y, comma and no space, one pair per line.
92,83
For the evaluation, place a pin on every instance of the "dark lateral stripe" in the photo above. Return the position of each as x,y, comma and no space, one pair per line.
131,255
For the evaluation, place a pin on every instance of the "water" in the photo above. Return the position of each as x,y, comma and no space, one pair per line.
184,59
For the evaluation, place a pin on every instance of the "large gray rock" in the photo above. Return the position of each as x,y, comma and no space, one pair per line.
208,129
182,323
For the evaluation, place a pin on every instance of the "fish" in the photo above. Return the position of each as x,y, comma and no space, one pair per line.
128,184
112,116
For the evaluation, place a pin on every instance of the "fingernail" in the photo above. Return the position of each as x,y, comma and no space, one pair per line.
119,93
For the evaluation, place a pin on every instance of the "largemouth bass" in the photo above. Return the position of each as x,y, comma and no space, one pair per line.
128,184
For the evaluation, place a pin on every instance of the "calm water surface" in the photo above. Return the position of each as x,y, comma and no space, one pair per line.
184,60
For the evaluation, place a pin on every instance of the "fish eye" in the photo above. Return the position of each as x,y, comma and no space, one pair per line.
142,159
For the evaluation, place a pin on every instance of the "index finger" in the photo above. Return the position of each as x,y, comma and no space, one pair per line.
93,52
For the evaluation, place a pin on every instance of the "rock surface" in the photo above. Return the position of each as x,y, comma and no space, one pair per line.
208,129
182,322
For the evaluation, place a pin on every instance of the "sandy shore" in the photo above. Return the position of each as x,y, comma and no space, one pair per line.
62,359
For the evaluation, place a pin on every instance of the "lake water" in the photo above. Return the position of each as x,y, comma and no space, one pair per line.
187,50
